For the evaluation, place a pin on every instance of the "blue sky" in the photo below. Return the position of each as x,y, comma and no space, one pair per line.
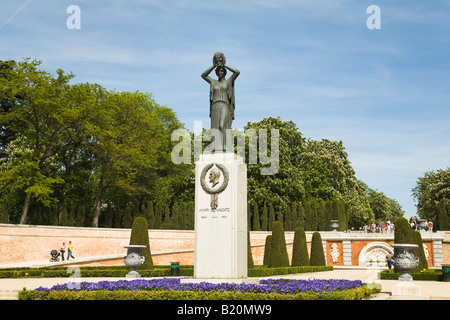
385,92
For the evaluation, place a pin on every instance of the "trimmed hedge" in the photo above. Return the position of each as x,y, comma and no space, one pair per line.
317,255
300,255
110,271
279,256
427,275
360,293
139,236
157,271
267,272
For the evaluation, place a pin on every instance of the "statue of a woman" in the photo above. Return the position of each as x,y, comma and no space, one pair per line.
221,95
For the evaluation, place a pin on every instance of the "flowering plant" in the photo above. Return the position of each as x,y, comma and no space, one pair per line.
281,286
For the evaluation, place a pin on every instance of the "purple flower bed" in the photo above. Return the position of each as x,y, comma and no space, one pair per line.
283,286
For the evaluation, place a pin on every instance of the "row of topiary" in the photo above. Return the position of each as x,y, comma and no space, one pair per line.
276,255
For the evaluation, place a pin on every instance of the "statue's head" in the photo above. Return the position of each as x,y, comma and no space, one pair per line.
221,72
214,176
219,59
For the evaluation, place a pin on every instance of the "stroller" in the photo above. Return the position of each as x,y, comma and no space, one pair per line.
55,256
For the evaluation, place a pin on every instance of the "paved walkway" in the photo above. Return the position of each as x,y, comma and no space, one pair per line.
429,290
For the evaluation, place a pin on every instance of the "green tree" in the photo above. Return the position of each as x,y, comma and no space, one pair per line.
300,215
321,216
383,207
279,254
294,215
6,104
139,236
443,215
308,216
127,220
126,137
4,215
256,223
300,256
317,254
271,217
264,218
182,216
40,112
286,184
429,190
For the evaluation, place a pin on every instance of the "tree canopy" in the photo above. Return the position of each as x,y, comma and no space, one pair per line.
430,189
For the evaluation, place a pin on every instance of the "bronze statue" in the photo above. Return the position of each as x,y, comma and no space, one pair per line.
221,95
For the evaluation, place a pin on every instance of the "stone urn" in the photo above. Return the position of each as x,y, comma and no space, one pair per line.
422,223
334,225
133,260
404,259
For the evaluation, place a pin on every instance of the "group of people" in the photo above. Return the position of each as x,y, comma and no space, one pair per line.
388,226
416,226
69,250
379,227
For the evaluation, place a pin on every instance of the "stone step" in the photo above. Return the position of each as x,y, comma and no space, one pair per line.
8,294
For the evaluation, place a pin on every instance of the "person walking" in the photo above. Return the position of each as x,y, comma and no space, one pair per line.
389,260
63,249
69,251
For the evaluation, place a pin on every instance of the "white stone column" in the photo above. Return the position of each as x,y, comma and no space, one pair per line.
221,232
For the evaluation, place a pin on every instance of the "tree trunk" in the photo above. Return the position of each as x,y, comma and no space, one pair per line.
98,205
26,206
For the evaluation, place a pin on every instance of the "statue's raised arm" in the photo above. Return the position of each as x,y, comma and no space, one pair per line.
221,92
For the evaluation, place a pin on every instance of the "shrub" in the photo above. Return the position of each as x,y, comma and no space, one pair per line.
300,255
426,275
267,250
317,254
419,252
139,236
250,263
403,232
279,256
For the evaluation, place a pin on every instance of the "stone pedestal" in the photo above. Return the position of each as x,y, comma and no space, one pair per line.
220,217
406,289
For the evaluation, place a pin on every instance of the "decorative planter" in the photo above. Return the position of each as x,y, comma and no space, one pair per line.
422,223
133,260
404,259
334,225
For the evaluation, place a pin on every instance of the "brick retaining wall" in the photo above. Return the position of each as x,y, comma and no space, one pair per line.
25,243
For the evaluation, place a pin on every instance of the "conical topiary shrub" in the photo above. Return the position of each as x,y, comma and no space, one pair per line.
300,255
419,252
250,263
317,254
403,232
267,250
139,236
279,256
